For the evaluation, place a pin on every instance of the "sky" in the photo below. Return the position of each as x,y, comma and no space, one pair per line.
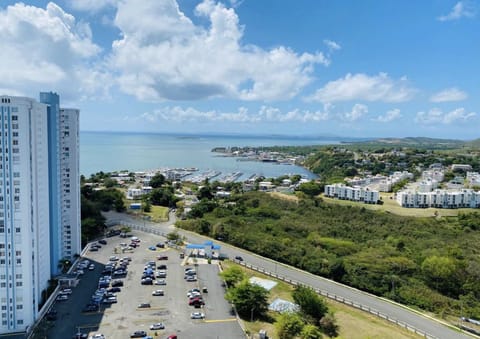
344,68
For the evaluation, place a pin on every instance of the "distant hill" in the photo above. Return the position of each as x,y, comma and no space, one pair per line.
420,142
473,144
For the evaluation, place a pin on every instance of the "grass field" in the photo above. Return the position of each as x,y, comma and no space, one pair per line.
354,324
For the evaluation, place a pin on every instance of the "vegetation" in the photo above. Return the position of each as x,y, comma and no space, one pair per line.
431,263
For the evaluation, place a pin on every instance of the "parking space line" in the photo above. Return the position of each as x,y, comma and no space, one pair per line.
220,320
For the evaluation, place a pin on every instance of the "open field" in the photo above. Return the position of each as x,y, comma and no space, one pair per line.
354,324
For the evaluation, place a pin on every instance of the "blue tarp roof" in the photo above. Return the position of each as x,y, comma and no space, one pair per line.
200,247
195,246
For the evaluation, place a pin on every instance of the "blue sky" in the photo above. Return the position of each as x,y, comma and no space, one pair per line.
346,68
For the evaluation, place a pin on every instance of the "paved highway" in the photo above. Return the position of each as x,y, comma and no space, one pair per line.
393,311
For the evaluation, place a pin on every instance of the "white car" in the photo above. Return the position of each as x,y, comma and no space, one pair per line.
197,315
160,282
158,293
91,267
97,336
157,326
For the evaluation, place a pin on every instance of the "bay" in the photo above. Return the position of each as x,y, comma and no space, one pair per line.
117,151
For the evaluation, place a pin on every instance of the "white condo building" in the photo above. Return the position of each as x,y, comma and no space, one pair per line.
39,217
342,192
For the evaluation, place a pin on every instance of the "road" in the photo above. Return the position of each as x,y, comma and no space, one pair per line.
393,311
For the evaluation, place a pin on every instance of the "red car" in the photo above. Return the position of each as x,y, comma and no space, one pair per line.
172,336
196,301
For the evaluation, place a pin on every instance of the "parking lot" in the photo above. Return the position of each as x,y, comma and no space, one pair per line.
121,319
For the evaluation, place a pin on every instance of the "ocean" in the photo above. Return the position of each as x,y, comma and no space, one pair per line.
117,151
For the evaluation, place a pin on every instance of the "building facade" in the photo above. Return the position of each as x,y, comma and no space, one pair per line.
361,194
31,236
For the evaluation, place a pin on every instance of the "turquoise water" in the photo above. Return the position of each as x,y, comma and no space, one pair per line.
109,151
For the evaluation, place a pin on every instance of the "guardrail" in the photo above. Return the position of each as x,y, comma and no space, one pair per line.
340,299
343,300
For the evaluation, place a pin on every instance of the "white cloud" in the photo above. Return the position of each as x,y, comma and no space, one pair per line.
462,9
164,55
358,111
391,115
47,49
92,5
242,115
332,45
437,116
363,87
449,94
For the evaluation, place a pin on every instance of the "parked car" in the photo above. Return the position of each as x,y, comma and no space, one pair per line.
152,248
158,293
110,300
114,289
160,282
66,291
162,267
117,283
239,258
191,278
147,281
138,334
90,308
160,245
102,241
80,335
197,315
205,289
91,267
162,257
172,336
144,305
62,297
97,336
196,301
157,326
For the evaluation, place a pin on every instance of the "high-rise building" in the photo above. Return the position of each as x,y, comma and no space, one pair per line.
39,220
64,177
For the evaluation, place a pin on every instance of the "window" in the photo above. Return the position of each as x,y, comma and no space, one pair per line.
14,117
19,322
19,284
18,253
19,261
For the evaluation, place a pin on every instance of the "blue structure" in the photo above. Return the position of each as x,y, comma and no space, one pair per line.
208,247
53,115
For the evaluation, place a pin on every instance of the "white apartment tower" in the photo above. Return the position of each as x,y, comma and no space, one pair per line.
31,238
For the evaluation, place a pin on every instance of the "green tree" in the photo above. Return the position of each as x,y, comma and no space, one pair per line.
157,180
310,331
205,192
441,273
289,325
311,305
232,275
329,326
146,206
310,188
250,300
